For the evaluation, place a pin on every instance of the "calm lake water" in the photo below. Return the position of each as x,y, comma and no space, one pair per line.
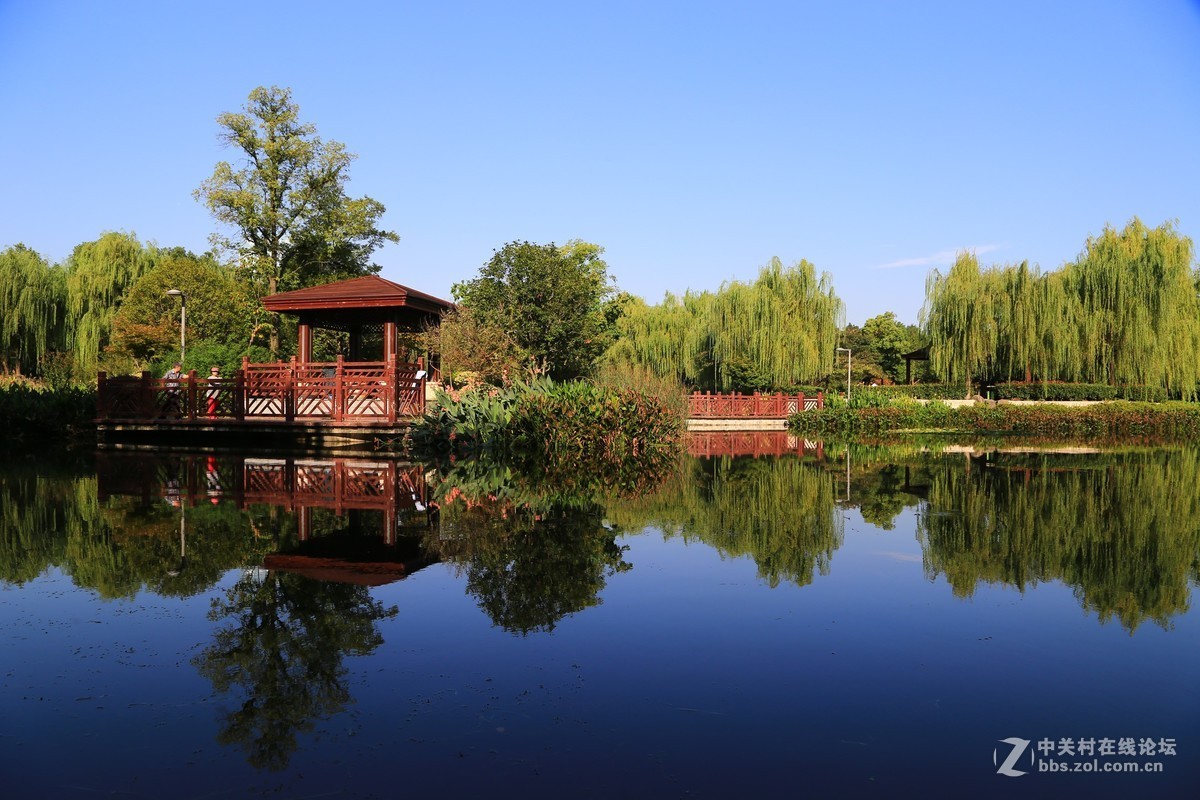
835,621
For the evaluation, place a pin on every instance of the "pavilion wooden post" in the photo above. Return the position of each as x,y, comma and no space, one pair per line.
289,392
339,391
304,342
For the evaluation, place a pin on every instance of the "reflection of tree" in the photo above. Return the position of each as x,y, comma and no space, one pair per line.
780,512
1123,530
529,566
283,649
35,514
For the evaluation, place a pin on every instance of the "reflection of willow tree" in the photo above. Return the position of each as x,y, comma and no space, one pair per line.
1124,532
283,648
530,568
118,547
780,512
35,513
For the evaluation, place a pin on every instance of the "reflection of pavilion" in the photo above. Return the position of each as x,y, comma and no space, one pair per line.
306,486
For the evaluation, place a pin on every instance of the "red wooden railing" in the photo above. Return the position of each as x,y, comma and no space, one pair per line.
335,391
710,444
706,405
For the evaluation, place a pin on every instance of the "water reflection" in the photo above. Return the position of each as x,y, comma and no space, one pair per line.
1123,529
278,657
1119,527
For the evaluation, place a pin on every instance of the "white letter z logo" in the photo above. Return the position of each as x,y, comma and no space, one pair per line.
1018,747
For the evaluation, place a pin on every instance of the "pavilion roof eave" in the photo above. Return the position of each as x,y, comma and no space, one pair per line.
369,291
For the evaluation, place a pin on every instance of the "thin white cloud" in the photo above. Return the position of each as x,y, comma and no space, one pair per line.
940,257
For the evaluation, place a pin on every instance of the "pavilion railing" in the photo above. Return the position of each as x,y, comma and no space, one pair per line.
334,391
706,405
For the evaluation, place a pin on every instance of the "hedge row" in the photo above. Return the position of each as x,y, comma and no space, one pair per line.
1169,420
35,416
922,391
1077,391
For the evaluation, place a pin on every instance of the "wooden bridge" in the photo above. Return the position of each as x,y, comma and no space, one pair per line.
731,412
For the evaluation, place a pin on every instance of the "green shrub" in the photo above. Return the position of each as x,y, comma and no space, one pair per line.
34,416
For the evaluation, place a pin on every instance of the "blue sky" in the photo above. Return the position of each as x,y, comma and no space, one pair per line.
693,140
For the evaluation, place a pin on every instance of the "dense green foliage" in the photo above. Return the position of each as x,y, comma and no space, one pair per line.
562,430
1178,421
33,417
99,274
876,349
1126,312
32,309
548,299
775,333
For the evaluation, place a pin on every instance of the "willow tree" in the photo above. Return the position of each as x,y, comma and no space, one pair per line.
32,300
1139,308
98,275
961,320
1126,312
778,331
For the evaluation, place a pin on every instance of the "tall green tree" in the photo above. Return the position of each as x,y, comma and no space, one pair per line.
220,311
32,309
550,299
98,275
887,339
773,333
1126,312
292,222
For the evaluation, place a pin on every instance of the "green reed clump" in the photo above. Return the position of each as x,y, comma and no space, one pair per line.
562,429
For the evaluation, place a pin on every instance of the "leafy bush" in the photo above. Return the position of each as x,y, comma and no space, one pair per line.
35,416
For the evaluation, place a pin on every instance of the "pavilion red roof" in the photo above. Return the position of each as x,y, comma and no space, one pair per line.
371,291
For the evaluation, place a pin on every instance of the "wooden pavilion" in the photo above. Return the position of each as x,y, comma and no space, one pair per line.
366,393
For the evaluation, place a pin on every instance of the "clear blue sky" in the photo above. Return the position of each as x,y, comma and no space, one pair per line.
692,140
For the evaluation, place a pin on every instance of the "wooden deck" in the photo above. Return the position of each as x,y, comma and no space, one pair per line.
308,404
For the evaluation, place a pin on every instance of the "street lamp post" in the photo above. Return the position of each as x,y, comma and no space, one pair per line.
182,321
846,350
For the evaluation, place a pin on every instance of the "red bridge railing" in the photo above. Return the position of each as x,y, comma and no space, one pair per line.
335,391
706,405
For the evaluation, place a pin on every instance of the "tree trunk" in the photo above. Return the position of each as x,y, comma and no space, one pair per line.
272,283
